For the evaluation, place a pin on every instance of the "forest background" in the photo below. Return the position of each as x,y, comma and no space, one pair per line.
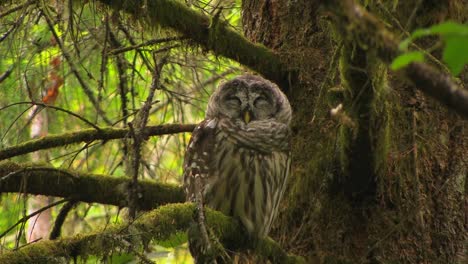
99,99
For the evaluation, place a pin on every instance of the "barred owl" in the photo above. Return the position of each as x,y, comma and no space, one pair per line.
241,152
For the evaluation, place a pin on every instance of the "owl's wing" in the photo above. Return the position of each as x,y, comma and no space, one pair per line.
197,162
263,135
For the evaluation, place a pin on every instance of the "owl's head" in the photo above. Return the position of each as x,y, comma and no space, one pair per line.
249,98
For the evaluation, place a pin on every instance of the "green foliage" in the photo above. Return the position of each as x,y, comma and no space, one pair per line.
455,52
406,58
185,84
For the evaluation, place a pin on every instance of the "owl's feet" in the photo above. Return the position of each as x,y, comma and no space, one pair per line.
205,247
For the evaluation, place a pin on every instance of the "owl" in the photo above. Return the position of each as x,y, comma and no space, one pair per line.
241,152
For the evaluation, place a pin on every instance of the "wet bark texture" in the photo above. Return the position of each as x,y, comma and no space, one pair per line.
382,181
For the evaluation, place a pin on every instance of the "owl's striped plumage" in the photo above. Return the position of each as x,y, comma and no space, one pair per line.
241,152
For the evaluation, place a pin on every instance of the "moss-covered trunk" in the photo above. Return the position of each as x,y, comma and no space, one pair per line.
383,179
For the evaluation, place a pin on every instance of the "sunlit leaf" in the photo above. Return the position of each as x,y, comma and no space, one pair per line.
455,53
405,59
449,28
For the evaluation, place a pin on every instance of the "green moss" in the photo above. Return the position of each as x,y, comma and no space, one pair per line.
166,225
214,35
38,179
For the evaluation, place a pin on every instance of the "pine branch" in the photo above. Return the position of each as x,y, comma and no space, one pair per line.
356,23
88,135
164,225
91,188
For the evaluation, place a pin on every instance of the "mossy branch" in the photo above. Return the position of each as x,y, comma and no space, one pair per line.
36,179
166,225
88,135
358,24
210,33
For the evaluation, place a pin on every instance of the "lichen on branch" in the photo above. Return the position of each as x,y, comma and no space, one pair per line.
88,135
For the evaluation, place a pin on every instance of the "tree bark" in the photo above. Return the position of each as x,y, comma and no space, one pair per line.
381,179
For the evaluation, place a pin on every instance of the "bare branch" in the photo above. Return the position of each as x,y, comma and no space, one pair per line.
88,135
27,217
150,42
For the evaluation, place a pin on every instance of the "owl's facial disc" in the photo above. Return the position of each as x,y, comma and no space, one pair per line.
249,98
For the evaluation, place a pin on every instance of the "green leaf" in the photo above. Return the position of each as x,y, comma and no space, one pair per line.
405,59
444,29
404,44
455,53
421,32
449,28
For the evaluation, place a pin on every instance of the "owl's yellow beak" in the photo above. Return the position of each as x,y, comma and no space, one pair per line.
247,116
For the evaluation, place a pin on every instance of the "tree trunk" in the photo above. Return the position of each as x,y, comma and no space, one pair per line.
383,179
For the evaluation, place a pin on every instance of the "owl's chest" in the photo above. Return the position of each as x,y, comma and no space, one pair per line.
245,182
234,157
237,168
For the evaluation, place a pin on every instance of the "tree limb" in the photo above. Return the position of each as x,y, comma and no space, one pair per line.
165,225
356,23
91,188
88,135
137,133
211,34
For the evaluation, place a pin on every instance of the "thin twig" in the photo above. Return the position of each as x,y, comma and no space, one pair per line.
133,42
121,64
6,74
138,136
25,218
55,108
16,8
75,71
118,50
104,57
199,28
13,27
409,22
